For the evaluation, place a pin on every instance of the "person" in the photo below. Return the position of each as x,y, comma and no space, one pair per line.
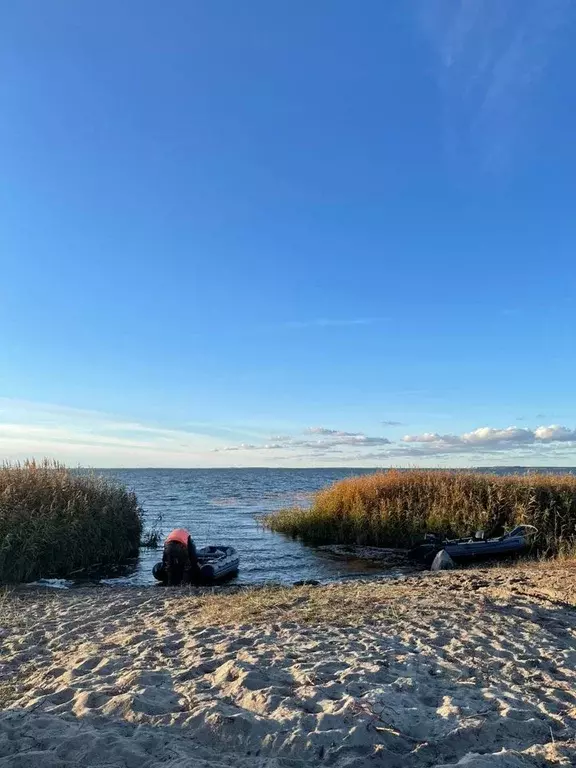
179,559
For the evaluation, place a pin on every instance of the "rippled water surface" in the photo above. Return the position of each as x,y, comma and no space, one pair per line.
222,507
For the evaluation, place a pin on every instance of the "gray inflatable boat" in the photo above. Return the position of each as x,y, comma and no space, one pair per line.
217,563
477,547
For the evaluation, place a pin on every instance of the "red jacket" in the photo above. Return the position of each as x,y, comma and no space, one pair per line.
179,534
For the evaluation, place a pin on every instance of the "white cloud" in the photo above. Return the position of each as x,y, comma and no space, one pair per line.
491,437
487,435
555,433
98,439
428,437
336,444
338,437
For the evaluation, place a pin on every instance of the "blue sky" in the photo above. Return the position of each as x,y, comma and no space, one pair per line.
288,234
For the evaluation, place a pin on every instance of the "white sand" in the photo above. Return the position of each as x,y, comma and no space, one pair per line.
474,669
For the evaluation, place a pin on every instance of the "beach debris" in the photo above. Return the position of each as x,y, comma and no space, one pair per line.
385,556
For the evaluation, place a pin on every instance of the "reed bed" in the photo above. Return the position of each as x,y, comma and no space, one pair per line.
54,521
395,508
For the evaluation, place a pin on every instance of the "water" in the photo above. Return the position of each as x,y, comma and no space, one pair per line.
221,506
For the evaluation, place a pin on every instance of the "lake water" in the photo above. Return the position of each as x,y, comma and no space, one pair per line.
222,506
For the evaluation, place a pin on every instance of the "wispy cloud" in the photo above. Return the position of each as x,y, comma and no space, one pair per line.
539,445
94,438
354,440
328,441
241,447
330,432
491,56
391,423
331,323
99,439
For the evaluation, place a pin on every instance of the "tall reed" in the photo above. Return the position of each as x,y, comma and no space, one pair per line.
54,521
395,508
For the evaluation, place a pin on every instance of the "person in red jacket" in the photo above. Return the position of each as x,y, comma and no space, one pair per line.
179,560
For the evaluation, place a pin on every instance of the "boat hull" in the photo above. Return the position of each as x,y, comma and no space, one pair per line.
467,551
217,563
480,550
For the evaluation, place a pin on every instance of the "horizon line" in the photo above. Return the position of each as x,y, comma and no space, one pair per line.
332,469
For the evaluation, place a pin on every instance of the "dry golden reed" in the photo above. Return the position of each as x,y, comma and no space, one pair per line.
54,521
395,508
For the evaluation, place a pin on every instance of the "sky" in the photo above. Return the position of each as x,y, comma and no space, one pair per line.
288,234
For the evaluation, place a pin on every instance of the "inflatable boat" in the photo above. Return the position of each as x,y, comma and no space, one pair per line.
217,563
476,547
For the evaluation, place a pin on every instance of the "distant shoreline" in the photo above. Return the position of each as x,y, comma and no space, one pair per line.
488,469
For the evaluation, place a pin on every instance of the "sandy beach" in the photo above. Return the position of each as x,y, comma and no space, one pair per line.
473,668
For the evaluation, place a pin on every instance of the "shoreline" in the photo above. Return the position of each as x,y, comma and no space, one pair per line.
421,670
375,562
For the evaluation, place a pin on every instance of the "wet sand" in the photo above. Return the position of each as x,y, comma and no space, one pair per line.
474,668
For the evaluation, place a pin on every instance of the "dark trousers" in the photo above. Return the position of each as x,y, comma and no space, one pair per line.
180,563
176,563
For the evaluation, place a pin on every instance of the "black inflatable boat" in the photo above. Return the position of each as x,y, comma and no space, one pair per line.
217,563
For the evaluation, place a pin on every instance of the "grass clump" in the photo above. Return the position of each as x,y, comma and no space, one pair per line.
54,521
395,508
152,537
344,604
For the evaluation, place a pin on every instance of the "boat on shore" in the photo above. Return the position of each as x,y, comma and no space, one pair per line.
476,547
217,563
